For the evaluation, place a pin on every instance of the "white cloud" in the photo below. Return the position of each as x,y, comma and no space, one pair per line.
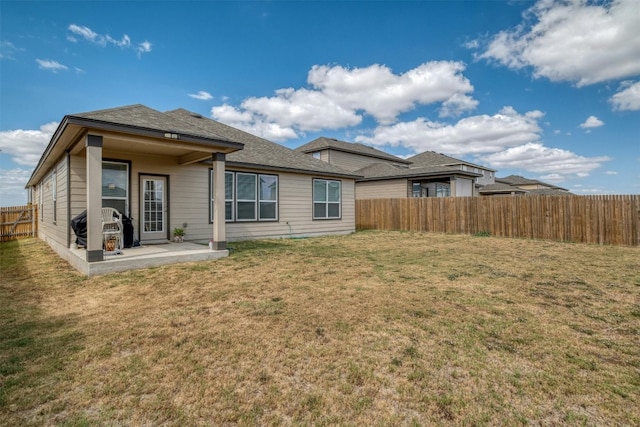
592,122
339,97
383,94
125,42
26,146
457,104
8,50
12,182
611,173
553,177
578,41
627,99
245,121
535,157
201,95
91,36
84,32
307,110
471,135
48,64
144,47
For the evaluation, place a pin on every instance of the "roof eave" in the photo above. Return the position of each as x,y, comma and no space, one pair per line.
155,133
292,170
47,151
86,123
345,150
424,175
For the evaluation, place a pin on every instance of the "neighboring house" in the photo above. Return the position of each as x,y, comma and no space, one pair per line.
348,155
178,169
519,185
386,176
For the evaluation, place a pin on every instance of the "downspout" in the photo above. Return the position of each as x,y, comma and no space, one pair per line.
68,199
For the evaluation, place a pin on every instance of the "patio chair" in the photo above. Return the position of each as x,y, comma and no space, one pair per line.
112,231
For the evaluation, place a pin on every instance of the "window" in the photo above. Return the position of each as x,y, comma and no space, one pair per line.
326,199
416,189
268,195
316,154
246,196
115,186
249,196
443,190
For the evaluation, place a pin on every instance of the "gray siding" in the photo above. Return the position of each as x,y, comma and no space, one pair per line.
189,200
387,189
464,187
52,225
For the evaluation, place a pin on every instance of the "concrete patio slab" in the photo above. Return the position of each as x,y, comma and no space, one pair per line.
144,256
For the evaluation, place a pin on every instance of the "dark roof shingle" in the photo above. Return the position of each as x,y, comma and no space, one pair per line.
324,143
431,158
258,151
141,116
389,171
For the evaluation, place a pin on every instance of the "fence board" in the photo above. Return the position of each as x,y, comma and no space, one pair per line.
18,222
604,220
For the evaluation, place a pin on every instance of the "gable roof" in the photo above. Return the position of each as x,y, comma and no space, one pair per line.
324,143
500,188
132,119
504,188
378,171
258,151
517,180
142,117
187,127
431,158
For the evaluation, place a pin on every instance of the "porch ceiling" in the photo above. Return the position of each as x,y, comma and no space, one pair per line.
184,152
186,148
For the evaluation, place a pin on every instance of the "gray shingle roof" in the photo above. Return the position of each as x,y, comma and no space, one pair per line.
500,188
431,158
503,188
141,116
520,180
389,171
323,143
257,151
549,192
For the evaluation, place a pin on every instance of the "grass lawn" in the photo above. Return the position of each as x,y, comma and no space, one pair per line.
375,328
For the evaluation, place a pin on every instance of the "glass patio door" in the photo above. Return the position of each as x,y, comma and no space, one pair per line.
154,208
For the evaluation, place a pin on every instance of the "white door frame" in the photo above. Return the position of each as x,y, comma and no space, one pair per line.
154,208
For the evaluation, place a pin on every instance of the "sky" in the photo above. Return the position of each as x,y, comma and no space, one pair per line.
549,90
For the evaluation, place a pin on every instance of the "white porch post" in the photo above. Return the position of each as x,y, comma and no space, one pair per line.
93,145
219,226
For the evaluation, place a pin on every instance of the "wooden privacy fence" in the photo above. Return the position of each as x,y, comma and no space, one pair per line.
18,222
606,220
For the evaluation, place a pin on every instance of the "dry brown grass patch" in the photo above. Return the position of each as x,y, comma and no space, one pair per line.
376,328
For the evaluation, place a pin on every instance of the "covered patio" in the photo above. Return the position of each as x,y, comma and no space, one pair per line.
143,256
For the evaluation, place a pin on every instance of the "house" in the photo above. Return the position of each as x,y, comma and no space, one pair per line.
348,155
178,169
519,185
383,175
